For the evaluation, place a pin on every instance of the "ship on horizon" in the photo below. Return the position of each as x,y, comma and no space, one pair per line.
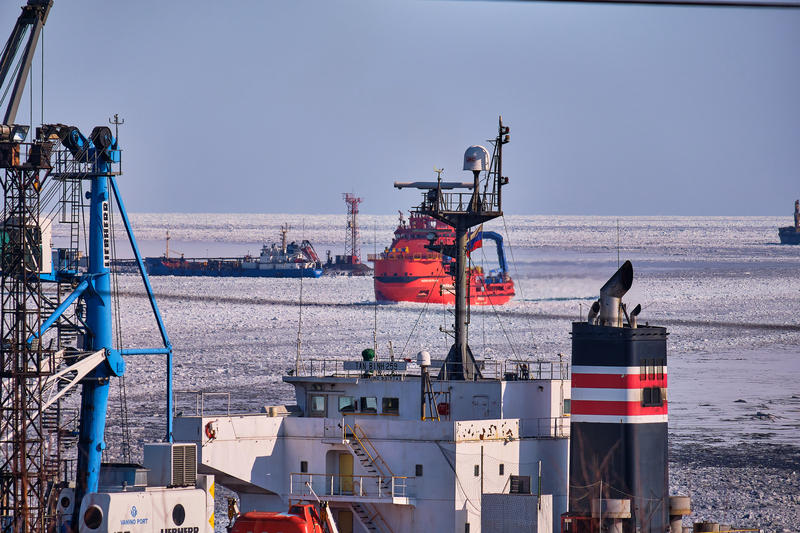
287,260
791,234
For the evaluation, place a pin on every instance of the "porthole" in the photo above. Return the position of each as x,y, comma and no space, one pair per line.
178,514
65,501
93,517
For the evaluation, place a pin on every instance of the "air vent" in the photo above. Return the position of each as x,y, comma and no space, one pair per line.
184,464
171,465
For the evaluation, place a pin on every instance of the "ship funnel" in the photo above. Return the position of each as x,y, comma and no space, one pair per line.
611,295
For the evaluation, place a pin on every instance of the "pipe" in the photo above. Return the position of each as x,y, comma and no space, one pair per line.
611,295
590,318
632,320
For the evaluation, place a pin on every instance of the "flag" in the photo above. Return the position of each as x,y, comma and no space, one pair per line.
475,240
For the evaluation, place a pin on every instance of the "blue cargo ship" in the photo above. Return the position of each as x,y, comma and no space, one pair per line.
287,260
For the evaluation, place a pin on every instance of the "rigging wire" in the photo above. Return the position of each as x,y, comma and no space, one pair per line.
123,396
30,97
422,312
518,284
41,55
375,307
300,317
16,67
497,316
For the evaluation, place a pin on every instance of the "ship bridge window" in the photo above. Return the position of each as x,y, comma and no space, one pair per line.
391,406
369,404
347,404
317,405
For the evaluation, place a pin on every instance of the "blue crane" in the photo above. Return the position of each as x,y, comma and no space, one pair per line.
60,155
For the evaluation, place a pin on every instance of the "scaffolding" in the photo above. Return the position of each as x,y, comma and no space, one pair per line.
29,458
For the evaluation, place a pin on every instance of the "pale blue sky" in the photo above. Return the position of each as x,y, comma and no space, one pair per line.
255,106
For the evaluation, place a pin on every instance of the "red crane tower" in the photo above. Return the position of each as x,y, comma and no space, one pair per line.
352,253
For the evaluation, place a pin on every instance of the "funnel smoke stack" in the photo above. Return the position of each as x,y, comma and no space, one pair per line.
611,295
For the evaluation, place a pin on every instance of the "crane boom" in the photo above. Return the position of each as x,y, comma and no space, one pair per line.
30,22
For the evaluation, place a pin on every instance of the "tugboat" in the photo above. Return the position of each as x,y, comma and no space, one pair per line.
409,271
791,234
290,260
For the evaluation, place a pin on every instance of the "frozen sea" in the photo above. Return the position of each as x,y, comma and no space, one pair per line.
728,293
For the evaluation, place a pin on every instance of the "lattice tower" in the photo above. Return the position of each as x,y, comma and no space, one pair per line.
24,442
352,250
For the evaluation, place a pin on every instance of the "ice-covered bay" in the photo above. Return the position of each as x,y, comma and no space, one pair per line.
728,293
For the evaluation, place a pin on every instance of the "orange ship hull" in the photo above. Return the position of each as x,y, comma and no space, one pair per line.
409,272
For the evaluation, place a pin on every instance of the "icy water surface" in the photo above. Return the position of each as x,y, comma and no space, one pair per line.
727,292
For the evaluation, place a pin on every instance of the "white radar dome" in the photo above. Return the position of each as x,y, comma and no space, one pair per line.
476,158
424,358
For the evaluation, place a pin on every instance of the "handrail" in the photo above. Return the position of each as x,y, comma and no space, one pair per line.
200,401
348,475
508,370
364,439
380,516
362,486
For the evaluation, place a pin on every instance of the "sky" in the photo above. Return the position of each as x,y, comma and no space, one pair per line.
279,107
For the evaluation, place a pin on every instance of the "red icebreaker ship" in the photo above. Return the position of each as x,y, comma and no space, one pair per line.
407,271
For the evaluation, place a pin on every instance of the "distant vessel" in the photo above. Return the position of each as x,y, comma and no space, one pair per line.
791,234
289,260
408,271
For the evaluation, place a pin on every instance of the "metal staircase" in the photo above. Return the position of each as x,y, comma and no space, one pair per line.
370,518
367,454
362,447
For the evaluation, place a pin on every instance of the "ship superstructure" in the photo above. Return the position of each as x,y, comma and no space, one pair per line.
357,438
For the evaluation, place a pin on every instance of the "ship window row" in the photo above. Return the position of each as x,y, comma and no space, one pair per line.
318,405
652,369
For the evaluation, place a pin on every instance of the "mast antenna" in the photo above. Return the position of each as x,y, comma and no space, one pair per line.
116,122
462,210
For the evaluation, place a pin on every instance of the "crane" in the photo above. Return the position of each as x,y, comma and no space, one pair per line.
58,321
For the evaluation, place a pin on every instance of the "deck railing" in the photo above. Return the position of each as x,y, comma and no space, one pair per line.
354,485
204,403
556,427
509,370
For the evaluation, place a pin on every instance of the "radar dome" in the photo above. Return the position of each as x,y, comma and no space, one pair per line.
476,158
424,358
